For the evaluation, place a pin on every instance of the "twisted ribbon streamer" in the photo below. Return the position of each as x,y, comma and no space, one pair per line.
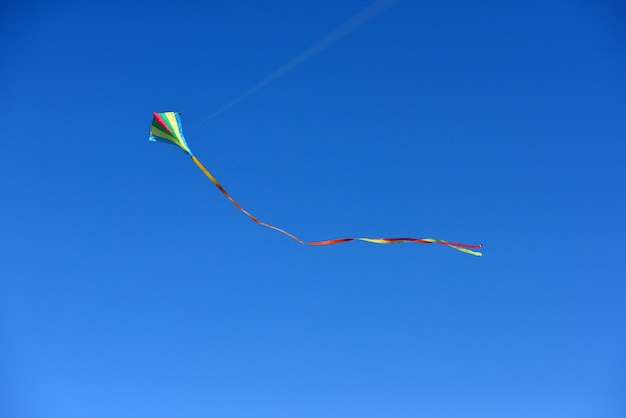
466,248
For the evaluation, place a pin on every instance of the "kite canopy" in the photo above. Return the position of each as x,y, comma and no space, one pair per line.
166,127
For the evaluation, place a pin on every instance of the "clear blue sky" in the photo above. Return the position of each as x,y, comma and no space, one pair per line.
129,287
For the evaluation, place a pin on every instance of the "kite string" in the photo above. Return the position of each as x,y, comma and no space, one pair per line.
466,248
350,25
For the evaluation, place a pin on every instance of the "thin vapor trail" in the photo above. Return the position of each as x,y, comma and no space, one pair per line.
362,17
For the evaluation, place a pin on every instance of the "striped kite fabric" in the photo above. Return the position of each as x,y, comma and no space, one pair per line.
166,127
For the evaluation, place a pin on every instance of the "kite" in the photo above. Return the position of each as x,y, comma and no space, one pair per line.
167,128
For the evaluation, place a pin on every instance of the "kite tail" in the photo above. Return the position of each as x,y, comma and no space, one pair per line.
466,248
237,205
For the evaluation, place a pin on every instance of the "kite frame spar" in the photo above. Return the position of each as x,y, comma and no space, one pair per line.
167,128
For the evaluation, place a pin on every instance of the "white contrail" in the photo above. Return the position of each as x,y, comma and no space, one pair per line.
351,24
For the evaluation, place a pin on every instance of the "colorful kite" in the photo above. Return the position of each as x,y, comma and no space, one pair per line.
166,127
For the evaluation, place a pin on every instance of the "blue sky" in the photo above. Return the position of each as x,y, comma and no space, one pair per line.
130,287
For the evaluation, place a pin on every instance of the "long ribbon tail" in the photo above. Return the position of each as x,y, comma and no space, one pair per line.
466,248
